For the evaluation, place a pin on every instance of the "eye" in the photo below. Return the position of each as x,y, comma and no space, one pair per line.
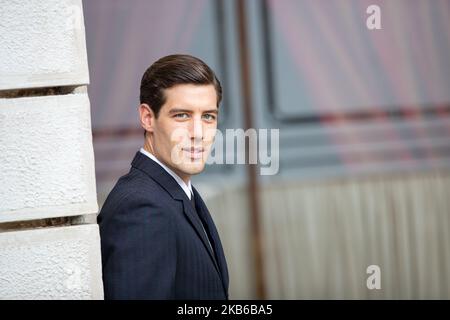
209,117
181,116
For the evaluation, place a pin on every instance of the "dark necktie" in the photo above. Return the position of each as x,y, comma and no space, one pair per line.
201,221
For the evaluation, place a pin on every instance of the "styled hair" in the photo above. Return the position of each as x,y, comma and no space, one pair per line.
170,71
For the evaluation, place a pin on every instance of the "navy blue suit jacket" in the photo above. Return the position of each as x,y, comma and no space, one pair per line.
153,244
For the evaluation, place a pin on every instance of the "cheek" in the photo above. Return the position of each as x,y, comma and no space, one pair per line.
210,133
164,137
179,134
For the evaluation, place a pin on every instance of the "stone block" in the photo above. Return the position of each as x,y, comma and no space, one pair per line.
51,263
42,44
47,158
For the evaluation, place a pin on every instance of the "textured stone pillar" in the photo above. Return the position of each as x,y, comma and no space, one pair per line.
49,240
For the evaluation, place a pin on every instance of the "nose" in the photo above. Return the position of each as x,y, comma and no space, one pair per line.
197,129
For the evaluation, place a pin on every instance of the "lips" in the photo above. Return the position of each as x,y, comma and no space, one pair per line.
195,153
199,149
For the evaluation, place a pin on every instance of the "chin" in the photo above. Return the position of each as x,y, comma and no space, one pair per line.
192,168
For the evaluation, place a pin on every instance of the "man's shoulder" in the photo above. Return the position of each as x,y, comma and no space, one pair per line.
136,186
135,179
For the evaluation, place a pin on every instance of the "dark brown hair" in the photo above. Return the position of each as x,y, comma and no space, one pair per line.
173,70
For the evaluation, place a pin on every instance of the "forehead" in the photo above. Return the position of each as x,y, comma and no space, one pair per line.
191,96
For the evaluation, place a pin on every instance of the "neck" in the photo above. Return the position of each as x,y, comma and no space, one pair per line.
185,178
148,147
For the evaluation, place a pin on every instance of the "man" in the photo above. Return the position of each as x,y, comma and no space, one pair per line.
158,239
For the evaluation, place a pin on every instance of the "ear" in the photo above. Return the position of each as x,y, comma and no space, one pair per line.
147,117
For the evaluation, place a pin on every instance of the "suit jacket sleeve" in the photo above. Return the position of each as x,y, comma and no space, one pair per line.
138,250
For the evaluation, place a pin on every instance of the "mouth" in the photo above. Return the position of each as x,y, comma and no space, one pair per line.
194,153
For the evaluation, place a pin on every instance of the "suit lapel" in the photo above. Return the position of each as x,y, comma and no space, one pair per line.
196,223
201,206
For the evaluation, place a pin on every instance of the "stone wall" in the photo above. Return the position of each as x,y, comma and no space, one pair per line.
49,240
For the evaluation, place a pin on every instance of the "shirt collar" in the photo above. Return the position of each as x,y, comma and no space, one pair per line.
187,188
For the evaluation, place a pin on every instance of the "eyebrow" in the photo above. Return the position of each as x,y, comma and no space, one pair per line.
179,110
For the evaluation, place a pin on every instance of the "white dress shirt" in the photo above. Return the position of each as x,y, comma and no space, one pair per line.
187,188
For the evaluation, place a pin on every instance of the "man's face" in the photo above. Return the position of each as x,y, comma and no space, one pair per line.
185,128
